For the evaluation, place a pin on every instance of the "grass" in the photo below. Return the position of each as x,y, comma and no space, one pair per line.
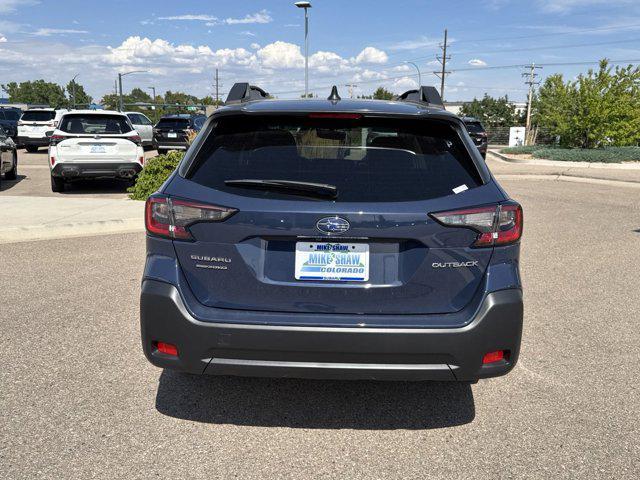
589,155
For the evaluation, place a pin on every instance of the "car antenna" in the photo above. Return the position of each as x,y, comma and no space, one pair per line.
334,97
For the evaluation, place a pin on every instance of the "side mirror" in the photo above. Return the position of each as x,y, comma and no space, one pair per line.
49,133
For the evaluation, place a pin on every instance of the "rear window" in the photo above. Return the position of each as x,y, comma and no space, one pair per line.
12,114
474,127
38,115
367,159
94,124
173,123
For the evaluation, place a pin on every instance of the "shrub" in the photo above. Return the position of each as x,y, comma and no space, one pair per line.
522,150
607,155
154,174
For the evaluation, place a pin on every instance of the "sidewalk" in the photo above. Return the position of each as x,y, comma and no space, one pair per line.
24,218
569,172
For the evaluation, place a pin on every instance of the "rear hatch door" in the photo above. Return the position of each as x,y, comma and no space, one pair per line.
373,249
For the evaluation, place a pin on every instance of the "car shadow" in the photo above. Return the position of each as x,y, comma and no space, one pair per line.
295,403
97,186
8,184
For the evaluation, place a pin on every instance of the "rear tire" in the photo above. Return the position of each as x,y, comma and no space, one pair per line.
13,173
31,148
57,184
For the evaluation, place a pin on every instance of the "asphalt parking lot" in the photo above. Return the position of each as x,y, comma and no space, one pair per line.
79,400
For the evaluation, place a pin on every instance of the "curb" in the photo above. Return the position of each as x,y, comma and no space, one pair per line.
556,163
568,178
70,230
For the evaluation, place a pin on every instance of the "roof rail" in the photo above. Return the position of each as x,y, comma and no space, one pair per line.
243,92
426,95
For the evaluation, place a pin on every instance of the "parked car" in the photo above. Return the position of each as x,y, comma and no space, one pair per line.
175,132
351,239
9,117
144,127
94,144
477,133
8,156
34,125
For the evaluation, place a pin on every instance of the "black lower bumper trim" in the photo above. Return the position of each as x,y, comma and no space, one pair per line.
96,170
319,352
32,142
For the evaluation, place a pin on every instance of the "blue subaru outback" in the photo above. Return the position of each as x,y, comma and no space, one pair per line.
345,239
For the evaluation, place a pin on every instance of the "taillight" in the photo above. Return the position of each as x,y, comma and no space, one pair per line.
170,218
135,139
495,224
53,161
56,139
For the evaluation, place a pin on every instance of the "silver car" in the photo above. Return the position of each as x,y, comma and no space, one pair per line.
144,126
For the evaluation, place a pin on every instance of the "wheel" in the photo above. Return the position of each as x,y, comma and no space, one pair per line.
31,148
57,184
13,173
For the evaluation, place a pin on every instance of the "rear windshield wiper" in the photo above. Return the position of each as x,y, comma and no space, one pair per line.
289,186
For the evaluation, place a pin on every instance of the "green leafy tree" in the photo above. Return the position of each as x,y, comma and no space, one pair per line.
37,92
74,89
492,112
600,108
382,94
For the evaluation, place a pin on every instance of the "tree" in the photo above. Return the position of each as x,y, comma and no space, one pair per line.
36,92
77,95
382,94
492,112
601,108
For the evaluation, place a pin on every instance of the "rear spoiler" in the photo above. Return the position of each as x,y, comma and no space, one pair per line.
425,95
243,92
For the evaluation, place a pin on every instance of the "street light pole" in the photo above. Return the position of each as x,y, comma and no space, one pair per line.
306,6
120,75
153,89
73,91
419,75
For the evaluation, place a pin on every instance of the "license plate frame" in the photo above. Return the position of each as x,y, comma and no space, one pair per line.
172,135
98,148
332,262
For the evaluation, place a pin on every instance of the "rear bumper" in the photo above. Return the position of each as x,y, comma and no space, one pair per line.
329,352
169,145
32,142
70,170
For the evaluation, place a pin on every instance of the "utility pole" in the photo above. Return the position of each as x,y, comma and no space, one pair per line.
443,60
351,87
530,79
217,89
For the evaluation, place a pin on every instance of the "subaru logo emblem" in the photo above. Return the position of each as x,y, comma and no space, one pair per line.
333,225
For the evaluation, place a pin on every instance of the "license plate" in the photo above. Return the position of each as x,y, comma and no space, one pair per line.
341,262
98,149
172,135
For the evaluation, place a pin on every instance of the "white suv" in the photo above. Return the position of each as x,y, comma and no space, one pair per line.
94,144
34,125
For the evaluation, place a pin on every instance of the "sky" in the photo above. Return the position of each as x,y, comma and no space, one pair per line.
179,44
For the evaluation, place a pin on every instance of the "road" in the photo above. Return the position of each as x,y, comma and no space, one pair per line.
79,400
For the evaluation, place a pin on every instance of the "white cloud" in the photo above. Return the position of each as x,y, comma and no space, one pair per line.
476,62
3,39
8,6
371,55
420,42
403,84
281,55
47,32
255,46
203,18
261,17
247,33
566,6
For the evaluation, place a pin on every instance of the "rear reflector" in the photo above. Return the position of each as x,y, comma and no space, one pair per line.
170,218
53,161
495,224
493,357
167,348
